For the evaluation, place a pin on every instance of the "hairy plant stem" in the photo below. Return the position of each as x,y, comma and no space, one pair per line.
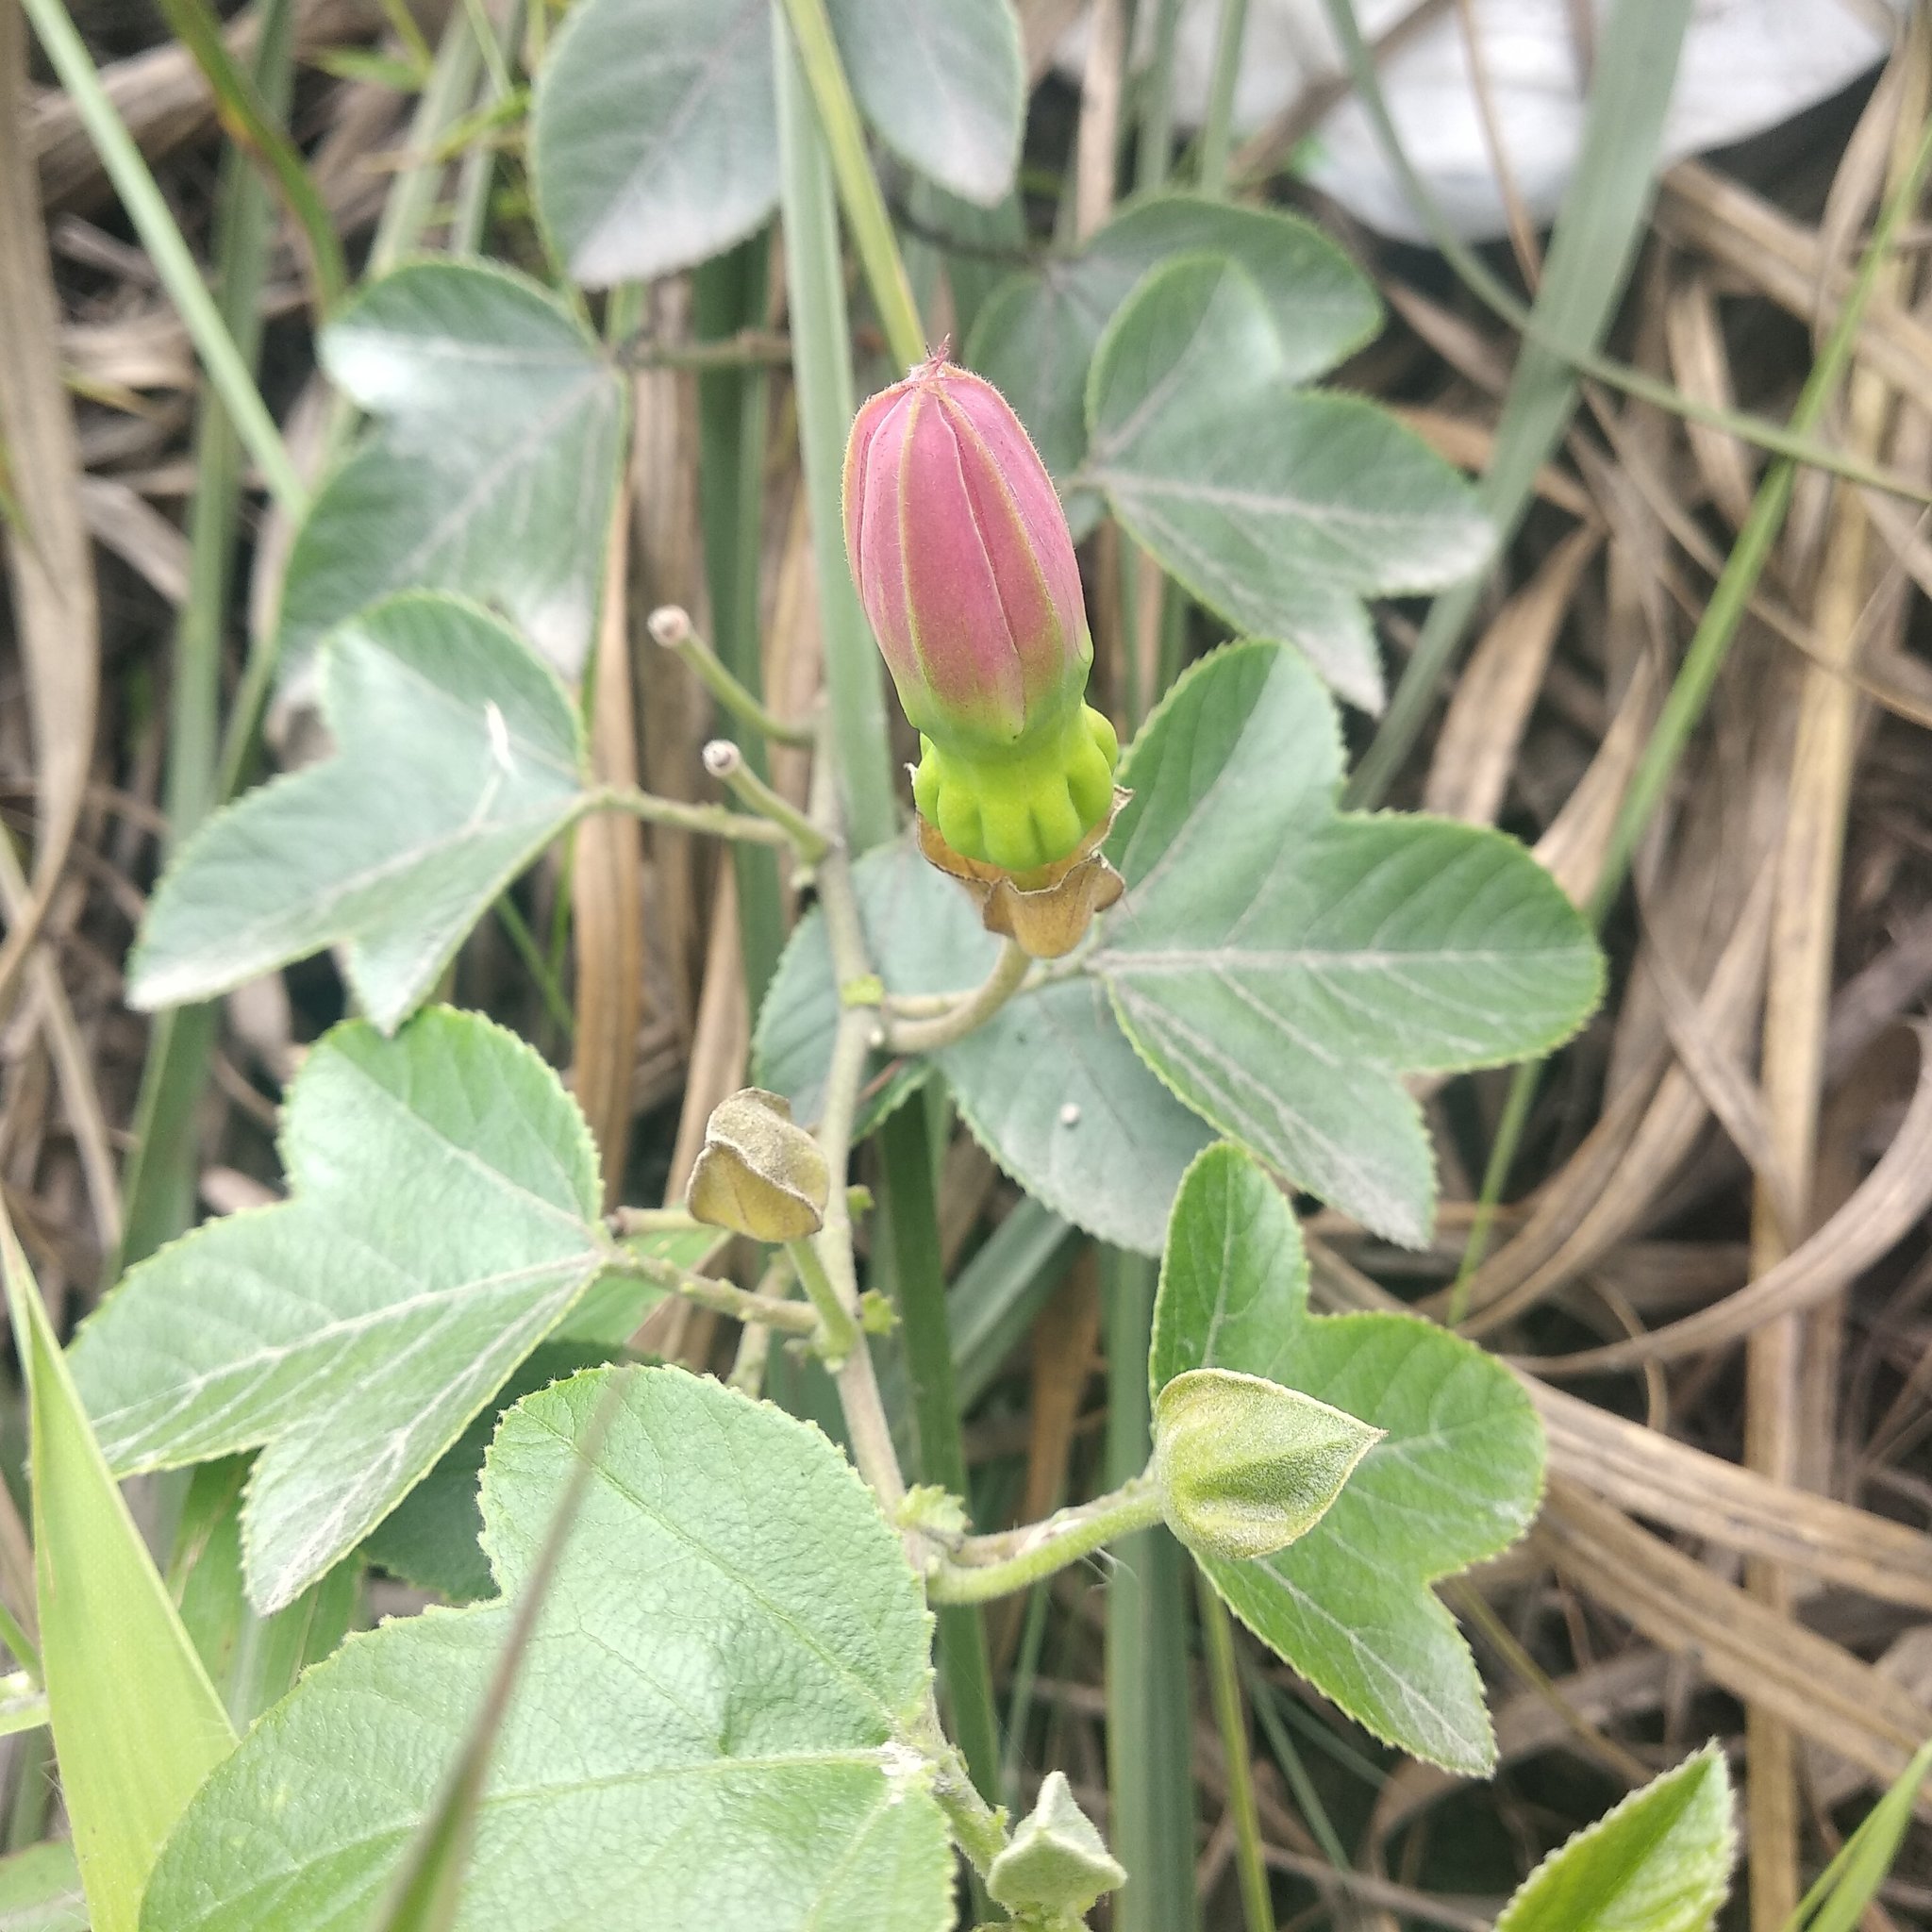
727,763
841,1335
741,1304
964,1015
672,628
718,820
984,1567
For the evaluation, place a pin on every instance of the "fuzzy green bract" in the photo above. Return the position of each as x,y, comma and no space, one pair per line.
442,1221
655,140
1659,1862
459,757
1281,965
489,469
1455,1479
1279,508
708,1733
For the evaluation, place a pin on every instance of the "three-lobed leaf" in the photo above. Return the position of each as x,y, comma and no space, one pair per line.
655,140
1455,1478
489,469
1036,337
1659,1862
442,1221
1281,965
459,757
1278,507
709,1732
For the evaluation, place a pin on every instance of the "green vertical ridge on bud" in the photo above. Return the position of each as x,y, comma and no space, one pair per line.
1245,1466
963,561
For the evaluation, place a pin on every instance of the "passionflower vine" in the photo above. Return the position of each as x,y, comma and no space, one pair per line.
965,566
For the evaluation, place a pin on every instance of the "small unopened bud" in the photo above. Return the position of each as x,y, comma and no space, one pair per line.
670,625
1246,1466
760,1173
721,759
1057,1866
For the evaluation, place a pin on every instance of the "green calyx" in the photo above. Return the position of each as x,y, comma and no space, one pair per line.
1023,806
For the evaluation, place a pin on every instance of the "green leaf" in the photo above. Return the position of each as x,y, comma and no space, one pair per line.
40,1890
1281,965
943,82
653,142
1847,1886
1049,1085
136,1724
459,758
1037,335
733,1653
492,467
1659,1862
442,1219
1277,508
1455,1479
431,1538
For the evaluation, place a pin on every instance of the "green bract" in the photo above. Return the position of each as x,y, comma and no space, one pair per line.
1455,1478
1245,1466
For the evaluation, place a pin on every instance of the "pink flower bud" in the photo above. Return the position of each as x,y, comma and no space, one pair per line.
966,569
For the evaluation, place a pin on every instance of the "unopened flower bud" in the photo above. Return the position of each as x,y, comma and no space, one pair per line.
1246,1466
760,1173
1057,1866
964,564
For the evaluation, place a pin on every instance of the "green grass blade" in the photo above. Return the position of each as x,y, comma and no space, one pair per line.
254,122
910,1227
1595,243
158,1186
180,274
1851,1881
1149,1724
821,369
136,1724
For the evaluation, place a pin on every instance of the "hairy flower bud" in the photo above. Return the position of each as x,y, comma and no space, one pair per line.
760,1173
964,564
1246,1466
1057,1866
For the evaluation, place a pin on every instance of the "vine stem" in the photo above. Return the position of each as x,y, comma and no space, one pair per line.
671,627
965,1014
720,821
858,1028
741,1304
984,1567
